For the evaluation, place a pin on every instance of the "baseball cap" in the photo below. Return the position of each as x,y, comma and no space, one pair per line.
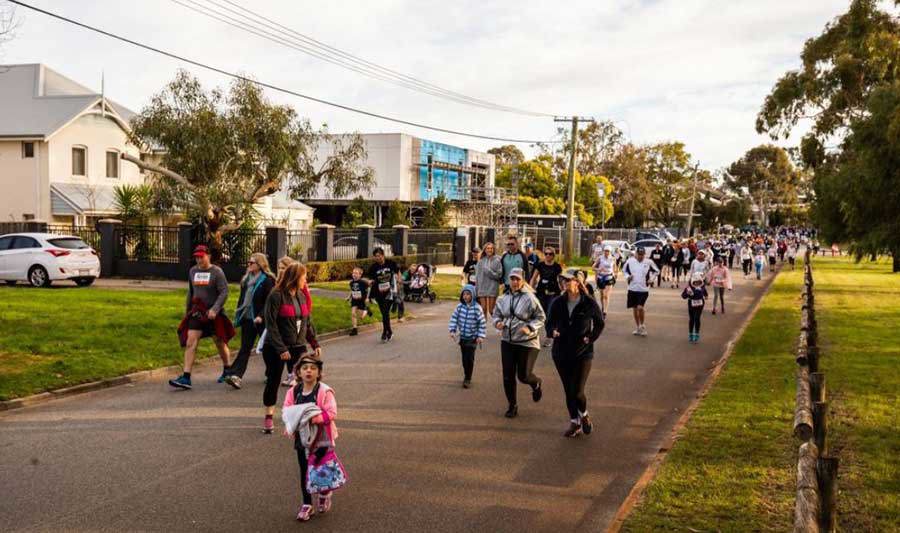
201,250
571,273
517,273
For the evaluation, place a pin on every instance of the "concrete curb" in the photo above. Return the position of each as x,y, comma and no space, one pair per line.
144,375
652,469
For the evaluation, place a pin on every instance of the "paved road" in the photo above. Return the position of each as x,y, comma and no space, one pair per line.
423,454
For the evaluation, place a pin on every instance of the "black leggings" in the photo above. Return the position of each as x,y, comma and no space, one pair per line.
467,347
384,305
249,333
574,372
694,314
747,265
274,367
546,300
518,361
304,466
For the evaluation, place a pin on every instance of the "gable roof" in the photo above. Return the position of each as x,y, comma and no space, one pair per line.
36,101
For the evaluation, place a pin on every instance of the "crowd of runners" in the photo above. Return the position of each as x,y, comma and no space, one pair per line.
530,299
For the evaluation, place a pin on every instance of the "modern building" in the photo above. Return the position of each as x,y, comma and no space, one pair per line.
60,147
415,171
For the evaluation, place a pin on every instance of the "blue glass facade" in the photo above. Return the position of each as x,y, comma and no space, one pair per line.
446,181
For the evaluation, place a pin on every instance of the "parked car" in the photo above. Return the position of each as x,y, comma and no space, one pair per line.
345,247
648,244
625,249
42,258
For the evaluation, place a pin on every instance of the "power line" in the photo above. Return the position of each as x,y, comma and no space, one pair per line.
249,21
268,85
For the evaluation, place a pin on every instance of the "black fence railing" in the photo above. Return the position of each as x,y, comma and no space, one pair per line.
155,244
345,244
238,246
302,245
433,246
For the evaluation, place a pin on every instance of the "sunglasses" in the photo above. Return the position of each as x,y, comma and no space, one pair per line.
251,262
551,254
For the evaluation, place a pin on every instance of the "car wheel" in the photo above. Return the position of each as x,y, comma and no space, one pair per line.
84,282
38,276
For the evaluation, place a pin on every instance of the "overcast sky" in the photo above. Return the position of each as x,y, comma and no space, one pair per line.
690,70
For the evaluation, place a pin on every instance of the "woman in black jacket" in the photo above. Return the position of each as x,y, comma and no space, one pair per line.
575,322
289,329
256,285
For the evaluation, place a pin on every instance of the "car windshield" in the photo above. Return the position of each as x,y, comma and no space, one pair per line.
69,243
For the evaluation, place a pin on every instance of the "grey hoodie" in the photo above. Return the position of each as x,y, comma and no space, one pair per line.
516,310
488,272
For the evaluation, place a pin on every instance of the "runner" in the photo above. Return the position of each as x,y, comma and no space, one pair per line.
606,269
792,254
204,316
638,269
309,411
773,254
468,326
511,259
290,329
283,263
686,258
668,252
359,299
488,274
699,265
545,281
576,323
255,287
597,247
383,277
468,276
695,294
531,257
759,262
746,259
719,278
519,318
656,255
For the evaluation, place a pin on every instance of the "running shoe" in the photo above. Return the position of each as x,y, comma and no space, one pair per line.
268,425
304,513
354,332
467,383
512,412
234,381
383,338
714,311
324,503
287,382
222,377
181,382
390,337
637,331
643,331
537,393
586,425
573,431
696,338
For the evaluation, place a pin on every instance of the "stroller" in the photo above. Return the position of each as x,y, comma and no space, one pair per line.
417,285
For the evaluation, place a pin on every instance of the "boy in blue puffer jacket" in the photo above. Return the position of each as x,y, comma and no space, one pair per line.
469,326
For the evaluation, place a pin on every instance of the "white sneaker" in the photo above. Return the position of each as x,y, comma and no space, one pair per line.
642,331
636,332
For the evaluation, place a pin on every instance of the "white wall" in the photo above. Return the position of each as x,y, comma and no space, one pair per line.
20,181
99,134
389,156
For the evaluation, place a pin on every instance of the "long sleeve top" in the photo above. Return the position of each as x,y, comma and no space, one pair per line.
468,321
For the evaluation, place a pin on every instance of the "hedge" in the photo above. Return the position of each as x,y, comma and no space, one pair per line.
317,271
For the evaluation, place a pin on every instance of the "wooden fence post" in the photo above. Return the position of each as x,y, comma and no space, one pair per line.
806,508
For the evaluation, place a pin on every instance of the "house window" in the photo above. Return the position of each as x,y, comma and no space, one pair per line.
27,149
112,164
79,161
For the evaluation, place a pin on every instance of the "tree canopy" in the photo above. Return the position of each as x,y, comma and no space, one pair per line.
766,176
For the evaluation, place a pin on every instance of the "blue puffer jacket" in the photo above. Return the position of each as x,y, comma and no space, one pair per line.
468,319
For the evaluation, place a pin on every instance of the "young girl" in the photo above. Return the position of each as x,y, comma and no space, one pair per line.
314,432
695,293
468,324
759,261
773,256
720,279
359,299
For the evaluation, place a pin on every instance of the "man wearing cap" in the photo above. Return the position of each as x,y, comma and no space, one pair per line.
207,292
638,269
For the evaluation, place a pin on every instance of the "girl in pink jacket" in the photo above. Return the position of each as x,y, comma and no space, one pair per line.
720,279
320,430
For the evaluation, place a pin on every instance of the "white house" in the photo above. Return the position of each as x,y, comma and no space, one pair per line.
60,144
60,147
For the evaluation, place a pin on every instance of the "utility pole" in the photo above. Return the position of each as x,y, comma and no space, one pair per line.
693,196
569,250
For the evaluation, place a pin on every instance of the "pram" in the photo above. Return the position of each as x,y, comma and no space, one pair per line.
417,286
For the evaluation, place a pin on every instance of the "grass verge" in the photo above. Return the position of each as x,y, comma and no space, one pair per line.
55,338
733,468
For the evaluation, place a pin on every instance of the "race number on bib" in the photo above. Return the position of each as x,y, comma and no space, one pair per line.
384,286
201,279
356,295
696,303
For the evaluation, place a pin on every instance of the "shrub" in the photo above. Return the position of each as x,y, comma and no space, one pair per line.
318,271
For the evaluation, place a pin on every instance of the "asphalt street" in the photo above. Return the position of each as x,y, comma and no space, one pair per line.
422,453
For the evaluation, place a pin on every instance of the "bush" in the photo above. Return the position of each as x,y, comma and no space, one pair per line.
319,271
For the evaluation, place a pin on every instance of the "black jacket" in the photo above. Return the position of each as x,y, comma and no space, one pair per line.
259,297
282,331
586,321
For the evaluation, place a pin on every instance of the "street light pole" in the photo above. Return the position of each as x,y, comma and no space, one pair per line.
693,196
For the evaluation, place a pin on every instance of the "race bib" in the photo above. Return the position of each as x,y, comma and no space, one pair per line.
696,303
472,278
201,279
720,280
299,325
356,295
384,286
545,281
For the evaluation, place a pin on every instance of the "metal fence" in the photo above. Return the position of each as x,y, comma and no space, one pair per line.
88,234
434,246
238,246
384,238
345,244
157,244
302,245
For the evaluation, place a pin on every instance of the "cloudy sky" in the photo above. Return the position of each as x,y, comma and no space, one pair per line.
690,70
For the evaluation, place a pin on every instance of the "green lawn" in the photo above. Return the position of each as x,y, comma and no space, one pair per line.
446,286
54,338
734,467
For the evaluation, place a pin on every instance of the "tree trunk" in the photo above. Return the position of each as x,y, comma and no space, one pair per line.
896,256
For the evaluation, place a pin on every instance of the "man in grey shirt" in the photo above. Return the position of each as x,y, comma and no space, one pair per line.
207,292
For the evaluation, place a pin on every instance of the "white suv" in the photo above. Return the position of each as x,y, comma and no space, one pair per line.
42,258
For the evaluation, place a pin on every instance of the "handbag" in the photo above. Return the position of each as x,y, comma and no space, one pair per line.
325,471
